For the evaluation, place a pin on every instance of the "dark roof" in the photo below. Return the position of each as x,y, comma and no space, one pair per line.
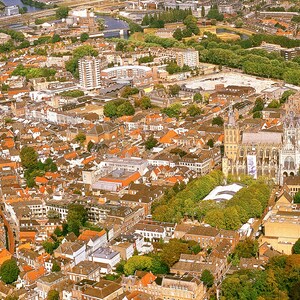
292,180
205,231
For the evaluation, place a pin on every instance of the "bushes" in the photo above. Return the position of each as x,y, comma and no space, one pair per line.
30,73
118,108
72,94
166,43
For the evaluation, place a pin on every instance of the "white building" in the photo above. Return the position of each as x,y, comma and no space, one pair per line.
75,251
127,164
89,72
106,256
11,10
139,75
188,57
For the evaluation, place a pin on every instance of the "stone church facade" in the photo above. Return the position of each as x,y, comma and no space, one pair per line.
289,158
274,154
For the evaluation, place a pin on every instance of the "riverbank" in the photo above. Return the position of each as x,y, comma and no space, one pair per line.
20,3
37,4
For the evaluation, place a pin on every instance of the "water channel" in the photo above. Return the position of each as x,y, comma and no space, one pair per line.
224,30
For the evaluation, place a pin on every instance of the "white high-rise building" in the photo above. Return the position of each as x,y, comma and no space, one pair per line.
89,72
188,57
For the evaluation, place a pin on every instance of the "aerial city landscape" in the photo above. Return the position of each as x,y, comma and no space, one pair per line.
149,150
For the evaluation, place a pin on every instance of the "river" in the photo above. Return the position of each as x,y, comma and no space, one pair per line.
18,2
112,23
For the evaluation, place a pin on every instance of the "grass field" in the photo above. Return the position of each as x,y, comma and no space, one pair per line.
137,36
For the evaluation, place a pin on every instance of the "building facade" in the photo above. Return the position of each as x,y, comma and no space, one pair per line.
11,10
89,72
289,158
188,57
138,75
255,153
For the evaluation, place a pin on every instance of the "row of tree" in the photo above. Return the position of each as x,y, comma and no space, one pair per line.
37,4
175,110
249,202
184,201
17,36
253,64
169,16
173,68
72,93
30,73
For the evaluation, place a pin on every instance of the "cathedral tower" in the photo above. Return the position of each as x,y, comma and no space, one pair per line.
231,136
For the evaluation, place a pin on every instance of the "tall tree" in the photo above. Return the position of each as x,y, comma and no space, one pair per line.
207,278
80,138
110,109
77,217
247,248
202,11
55,267
151,142
29,157
198,98
62,12
217,121
9,271
84,37
174,89
297,197
177,34
145,102
53,295
125,109
296,247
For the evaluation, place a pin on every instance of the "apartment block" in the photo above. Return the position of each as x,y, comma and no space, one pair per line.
89,72
188,57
